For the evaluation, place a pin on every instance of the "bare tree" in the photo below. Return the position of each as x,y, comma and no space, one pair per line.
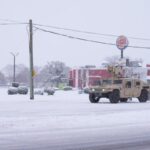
21,73
23,76
52,73
112,60
2,79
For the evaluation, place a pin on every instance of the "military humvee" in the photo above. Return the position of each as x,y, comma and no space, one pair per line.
119,90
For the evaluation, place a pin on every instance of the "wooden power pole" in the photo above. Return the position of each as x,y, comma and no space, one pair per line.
31,60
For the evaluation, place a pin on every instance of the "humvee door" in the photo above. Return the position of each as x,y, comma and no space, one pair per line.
128,88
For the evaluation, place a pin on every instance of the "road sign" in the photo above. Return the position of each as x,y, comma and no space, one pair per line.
122,42
34,73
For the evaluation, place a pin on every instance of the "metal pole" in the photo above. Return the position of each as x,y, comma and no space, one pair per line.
121,54
14,68
31,60
14,65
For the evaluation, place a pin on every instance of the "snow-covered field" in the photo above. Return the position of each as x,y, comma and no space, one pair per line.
68,121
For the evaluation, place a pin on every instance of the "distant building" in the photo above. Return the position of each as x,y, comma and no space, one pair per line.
86,76
148,73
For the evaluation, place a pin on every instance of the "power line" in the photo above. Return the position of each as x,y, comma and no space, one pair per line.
84,39
136,38
13,23
88,32
69,29
73,37
10,20
142,47
75,30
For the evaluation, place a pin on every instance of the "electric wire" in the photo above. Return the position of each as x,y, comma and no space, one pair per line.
10,20
73,30
15,22
73,37
84,39
88,32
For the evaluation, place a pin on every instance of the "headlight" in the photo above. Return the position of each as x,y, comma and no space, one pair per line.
103,90
93,90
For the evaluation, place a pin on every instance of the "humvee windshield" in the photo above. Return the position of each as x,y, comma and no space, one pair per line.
117,82
107,81
112,82
98,82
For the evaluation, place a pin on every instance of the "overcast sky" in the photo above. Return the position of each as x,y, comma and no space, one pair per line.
117,17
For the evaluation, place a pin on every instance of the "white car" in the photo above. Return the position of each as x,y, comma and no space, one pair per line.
22,90
38,91
12,90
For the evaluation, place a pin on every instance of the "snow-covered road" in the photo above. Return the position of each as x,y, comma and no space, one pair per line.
68,121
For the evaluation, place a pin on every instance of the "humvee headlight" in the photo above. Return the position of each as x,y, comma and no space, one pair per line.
93,90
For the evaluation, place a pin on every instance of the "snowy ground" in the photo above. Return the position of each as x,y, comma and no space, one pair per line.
68,121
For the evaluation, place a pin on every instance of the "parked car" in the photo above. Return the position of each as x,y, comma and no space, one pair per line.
15,84
67,88
86,90
12,90
56,88
80,91
23,90
38,91
49,90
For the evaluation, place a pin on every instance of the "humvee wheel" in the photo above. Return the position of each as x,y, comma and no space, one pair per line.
114,96
93,98
123,100
144,96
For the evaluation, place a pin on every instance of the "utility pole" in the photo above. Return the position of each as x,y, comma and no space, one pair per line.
14,65
31,60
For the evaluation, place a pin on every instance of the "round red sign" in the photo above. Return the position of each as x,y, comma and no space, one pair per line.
122,42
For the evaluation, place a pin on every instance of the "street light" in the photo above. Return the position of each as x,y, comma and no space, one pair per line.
14,67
